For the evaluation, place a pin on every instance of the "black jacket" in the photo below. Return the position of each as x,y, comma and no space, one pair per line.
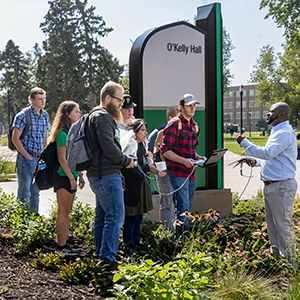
133,178
101,136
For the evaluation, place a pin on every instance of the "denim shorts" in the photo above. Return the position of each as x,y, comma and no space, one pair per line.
62,182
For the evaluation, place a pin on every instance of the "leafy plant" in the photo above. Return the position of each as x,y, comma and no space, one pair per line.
205,263
82,222
48,261
184,278
26,227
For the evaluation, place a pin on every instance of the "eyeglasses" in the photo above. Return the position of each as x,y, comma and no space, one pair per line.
119,99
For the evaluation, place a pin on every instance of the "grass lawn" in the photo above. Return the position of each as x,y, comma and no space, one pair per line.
231,144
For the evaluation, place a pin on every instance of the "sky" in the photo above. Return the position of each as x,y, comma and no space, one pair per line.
249,31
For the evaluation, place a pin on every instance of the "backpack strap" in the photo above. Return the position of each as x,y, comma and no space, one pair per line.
179,124
100,151
196,128
28,121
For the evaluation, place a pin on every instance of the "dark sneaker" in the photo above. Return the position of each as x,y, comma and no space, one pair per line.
74,246
68,251
50,246
106,266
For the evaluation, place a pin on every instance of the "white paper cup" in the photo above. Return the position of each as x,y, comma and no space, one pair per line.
161,166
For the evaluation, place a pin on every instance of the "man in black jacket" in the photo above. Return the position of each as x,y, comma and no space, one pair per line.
104,137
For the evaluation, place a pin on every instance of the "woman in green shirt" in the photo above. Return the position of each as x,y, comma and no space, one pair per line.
65,180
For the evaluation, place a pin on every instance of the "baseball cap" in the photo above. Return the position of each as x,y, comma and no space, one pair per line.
188,99
128,102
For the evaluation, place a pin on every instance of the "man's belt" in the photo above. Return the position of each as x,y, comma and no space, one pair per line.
34,154
267,182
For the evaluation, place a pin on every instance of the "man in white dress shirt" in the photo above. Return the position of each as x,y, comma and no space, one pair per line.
278,170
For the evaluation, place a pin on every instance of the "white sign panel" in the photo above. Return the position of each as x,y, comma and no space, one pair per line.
174,65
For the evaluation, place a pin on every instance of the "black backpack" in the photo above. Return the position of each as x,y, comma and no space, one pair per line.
44,178
26,110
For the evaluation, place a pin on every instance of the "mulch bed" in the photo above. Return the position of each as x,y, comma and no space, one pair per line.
18,280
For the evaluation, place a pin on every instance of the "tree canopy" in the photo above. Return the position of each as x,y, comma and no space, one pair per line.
74,65
70,64
278,75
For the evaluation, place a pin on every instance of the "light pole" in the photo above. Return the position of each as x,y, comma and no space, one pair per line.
241,93
249,124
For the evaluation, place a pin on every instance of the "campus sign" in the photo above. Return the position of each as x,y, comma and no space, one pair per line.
173,63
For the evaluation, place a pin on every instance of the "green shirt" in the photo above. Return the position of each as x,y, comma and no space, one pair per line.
61,140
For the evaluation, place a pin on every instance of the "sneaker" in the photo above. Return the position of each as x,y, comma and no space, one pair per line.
106,266
68,251
50,246
74,246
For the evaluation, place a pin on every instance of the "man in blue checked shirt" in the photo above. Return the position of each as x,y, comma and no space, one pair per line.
278,170
30,146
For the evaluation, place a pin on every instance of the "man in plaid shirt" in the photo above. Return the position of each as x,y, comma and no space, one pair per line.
179,146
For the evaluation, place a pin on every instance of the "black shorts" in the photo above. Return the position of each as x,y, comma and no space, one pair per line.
62,182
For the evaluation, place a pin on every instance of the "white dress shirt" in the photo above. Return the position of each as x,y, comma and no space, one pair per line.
278,156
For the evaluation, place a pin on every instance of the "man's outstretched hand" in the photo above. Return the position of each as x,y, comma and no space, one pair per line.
239,138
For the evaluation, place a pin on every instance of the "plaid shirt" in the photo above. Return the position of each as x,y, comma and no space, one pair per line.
183,143
34,140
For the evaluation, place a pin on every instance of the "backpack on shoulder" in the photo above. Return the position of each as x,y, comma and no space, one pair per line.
79,153
44,176
26,110
157,156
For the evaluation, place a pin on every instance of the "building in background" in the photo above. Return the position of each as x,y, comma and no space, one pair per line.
254,114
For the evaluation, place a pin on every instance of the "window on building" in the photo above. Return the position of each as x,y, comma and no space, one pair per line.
251,103
231,94
230,104
244,104
244,115
265,114
251,92
238,115
225,104
231,115
257,115
237,104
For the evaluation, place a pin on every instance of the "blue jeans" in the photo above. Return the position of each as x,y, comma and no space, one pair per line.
184,196
110,212
28,191
132,229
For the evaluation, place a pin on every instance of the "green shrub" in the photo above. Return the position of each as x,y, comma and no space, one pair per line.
27,228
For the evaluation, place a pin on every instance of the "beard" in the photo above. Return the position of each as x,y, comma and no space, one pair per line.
115,111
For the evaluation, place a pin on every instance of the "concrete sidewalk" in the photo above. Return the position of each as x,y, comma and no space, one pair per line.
232,180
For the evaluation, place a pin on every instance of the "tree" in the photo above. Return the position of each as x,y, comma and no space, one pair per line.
75,66
266,76
261,124
124,80
14,78
286,15
290,70
227,48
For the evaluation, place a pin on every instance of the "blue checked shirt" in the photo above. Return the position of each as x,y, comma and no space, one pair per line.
278,156
35,139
